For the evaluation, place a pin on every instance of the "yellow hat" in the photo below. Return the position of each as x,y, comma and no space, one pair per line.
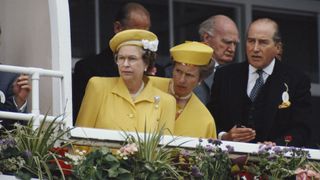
194,53
137,37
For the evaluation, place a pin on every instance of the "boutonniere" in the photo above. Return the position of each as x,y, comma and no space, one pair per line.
285,98
156,101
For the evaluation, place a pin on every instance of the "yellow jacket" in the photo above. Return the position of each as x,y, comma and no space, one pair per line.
107,104
195,120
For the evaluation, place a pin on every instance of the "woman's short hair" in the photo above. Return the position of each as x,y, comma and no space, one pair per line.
206,70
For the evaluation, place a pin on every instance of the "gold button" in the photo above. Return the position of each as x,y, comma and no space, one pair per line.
130,115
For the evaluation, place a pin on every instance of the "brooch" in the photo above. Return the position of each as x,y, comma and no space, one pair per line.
285,98
156,101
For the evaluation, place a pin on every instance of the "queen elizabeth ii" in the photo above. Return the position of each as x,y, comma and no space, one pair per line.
129,102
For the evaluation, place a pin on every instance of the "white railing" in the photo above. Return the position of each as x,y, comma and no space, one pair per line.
93,135
35,74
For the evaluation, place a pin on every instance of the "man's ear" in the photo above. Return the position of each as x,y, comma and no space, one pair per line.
117,27
206,38
279,46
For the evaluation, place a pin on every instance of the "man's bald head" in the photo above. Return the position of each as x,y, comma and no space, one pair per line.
132,16
220,33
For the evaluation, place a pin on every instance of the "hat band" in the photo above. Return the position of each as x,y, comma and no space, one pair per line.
186,64
134,43
145,44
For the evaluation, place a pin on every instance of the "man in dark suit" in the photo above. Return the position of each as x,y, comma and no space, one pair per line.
221,34
14,91
262,100
130,16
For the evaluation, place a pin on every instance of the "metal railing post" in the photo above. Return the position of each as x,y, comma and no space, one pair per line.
35,99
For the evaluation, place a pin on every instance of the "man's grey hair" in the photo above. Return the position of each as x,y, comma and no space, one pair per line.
207,26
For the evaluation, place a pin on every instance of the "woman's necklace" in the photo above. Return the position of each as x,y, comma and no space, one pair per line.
133,96
181,101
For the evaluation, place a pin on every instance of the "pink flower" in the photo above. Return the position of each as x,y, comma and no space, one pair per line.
127,150
306,174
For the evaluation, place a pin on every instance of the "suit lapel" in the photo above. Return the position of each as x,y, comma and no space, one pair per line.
239,93
271,97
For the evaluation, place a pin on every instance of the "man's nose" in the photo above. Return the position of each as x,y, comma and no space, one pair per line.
232,47
256,46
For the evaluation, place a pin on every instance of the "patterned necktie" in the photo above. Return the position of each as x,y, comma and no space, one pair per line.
257,86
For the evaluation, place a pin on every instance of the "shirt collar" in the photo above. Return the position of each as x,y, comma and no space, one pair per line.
268,70
216,64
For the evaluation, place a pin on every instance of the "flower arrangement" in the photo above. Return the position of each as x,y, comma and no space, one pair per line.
27,153
272,162
205,162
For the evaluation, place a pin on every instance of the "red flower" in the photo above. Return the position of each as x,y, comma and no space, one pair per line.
288,138
66,168
60,151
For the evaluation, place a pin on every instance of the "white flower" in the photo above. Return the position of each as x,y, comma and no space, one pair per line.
150,45
76,159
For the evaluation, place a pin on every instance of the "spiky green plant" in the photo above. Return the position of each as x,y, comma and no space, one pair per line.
37,143
152,160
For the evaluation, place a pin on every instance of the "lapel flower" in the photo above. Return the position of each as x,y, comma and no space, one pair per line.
285,98
150,45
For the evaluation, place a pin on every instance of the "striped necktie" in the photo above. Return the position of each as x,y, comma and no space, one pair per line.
257,86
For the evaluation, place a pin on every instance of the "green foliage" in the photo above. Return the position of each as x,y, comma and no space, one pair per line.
274,162
101,164
33,146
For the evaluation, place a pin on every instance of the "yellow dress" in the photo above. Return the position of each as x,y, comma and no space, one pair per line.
107,104
195,120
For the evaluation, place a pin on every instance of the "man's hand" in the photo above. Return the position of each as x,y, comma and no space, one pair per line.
21,89
241,134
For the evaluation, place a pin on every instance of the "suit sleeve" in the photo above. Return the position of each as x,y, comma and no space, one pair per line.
9,105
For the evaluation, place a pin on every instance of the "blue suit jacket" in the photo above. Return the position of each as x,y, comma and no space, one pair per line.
6,81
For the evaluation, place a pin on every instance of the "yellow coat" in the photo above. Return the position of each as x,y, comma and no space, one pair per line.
195,120
107,104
